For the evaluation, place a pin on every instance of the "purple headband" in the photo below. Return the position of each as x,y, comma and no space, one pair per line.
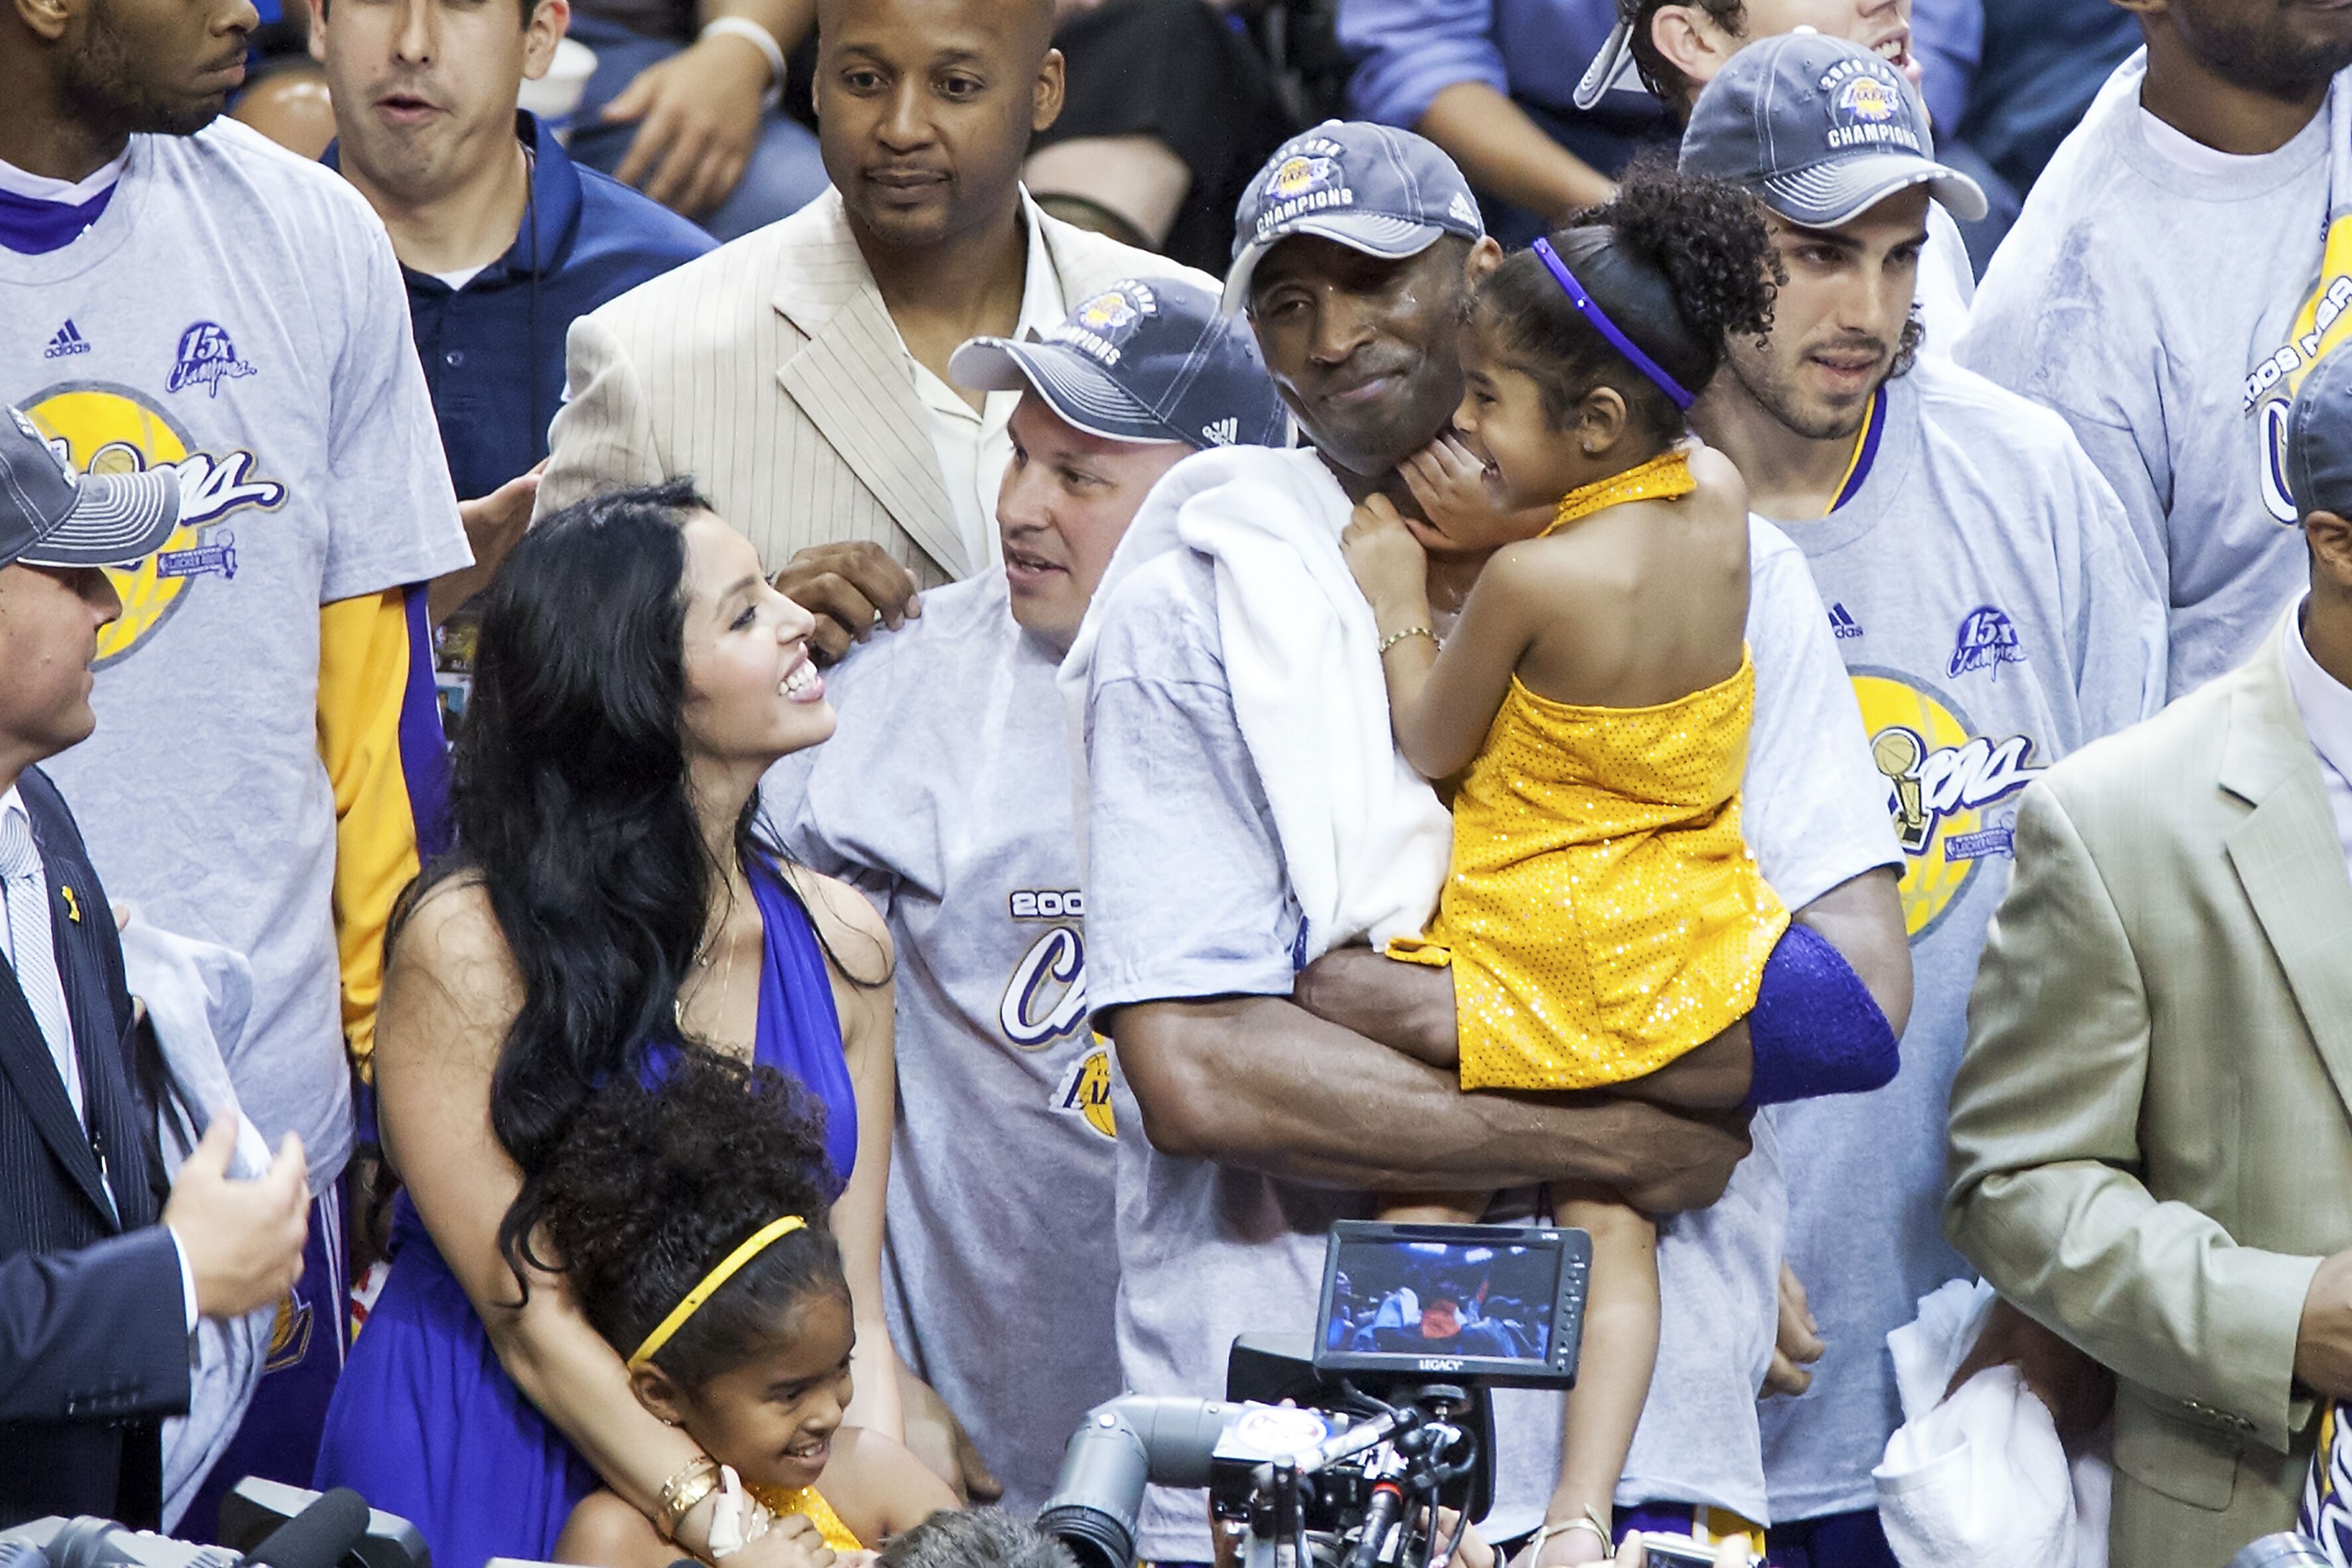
1592,312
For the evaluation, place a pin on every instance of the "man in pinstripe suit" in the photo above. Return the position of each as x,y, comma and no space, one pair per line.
97,1297
800,373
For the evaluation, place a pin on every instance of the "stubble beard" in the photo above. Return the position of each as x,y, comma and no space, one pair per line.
107,92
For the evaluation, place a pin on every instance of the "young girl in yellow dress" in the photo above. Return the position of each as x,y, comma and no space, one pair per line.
1605,924
690,1222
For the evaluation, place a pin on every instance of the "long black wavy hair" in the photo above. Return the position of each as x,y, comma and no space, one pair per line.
571,807
652,1188
1682,266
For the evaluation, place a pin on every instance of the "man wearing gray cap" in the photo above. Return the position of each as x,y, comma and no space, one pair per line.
1672,50
1247,812
2179,266
945,795
1994,615
2149,1132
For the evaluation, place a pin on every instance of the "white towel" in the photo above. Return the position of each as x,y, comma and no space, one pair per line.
1980,1481
1363,838
198,995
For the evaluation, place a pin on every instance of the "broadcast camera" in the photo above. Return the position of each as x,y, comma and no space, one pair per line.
1337,1453
263,1524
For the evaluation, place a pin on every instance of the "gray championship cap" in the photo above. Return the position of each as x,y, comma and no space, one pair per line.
1148,359
51,516
1372,188
2319,439
1821,130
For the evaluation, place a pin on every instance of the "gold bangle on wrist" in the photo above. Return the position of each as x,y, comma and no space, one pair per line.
694,1480
1394,639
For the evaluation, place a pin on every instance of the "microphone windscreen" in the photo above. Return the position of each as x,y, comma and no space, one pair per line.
318,1536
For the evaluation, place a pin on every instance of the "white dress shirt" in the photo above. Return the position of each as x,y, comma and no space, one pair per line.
2326,704
972,443
12,803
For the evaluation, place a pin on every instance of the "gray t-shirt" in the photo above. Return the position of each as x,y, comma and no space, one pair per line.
1994,613
1187,898
2138,295
235,309
945,795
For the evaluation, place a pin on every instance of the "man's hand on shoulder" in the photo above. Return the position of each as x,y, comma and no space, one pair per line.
849,588
243,1240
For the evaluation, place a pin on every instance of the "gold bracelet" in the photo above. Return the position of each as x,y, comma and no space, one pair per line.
1394,639
681,1492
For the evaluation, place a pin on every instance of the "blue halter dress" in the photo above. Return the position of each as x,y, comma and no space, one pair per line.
425,1423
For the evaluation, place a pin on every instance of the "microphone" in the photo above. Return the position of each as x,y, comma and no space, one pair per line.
317,1537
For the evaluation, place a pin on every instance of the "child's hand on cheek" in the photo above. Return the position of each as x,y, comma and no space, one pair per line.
1450,483
1388,562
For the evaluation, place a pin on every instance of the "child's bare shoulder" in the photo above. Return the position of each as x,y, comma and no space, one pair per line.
1557,571
1722,493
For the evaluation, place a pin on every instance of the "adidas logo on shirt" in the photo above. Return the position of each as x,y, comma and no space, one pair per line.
1841,622
68,340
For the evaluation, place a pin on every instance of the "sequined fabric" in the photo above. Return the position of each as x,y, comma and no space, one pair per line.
1603,915
1663,477
810,1502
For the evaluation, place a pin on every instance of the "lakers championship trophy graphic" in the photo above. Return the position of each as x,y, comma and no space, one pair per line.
1898,753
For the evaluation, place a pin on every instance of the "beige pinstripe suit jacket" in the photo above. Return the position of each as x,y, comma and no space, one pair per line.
2150,1147
770,371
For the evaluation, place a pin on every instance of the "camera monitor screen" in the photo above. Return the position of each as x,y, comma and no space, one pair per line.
1501,1304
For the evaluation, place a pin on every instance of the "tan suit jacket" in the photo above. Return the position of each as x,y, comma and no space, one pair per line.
770,371
2150,1149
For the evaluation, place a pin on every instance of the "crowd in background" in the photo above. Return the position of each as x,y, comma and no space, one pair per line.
702,808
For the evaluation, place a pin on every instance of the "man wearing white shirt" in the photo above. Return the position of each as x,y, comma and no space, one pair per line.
2164,291
96,1295
2149,1138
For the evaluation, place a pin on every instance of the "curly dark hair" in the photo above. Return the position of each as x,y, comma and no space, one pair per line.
652,1188
1680,265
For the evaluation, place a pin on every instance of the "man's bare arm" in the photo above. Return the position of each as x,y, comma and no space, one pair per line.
1260,1083
1862,917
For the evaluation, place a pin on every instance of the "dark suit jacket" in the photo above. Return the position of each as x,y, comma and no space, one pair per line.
93,1329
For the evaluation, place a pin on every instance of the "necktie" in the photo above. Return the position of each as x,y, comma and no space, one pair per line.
35,960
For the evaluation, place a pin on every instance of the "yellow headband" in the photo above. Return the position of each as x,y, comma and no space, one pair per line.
726,1271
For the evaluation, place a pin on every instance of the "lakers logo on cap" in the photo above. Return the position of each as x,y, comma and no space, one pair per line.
1107,313
1099,328
1302,173
1869,100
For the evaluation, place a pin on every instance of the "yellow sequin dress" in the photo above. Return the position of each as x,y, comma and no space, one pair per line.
1603,915
810,1502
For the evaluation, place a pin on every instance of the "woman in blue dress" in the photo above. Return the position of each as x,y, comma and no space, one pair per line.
613,905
